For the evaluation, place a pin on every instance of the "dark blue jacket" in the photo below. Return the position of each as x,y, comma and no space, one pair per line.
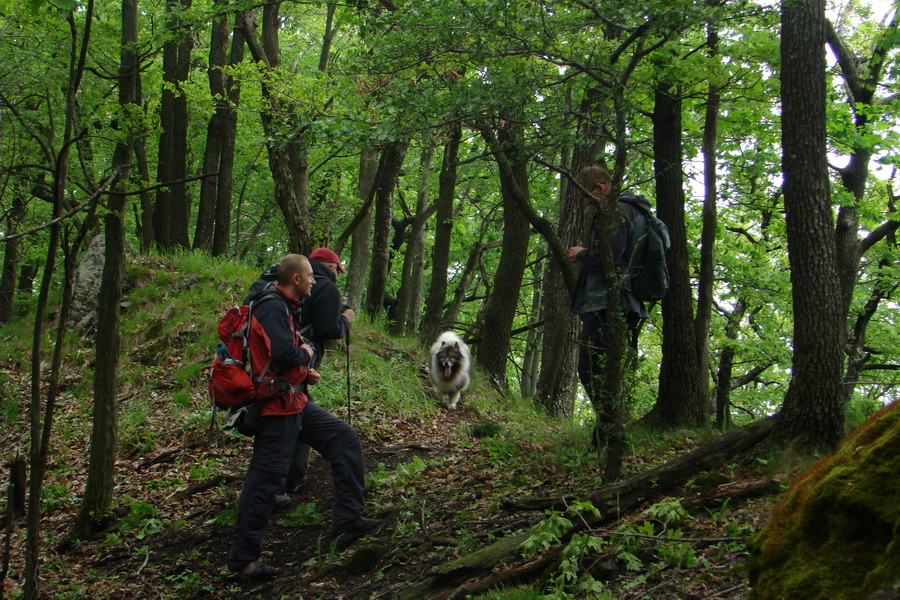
320,318
590,288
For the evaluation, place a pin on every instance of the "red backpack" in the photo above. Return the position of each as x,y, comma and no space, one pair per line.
230,383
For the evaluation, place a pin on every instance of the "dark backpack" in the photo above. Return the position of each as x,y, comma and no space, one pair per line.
647,274
266,282
230,383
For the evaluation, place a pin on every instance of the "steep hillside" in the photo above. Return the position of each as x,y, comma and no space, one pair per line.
437,477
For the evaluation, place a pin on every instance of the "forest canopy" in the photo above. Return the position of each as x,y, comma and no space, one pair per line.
433,145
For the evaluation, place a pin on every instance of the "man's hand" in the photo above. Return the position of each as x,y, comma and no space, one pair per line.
349,315
573,253
312,377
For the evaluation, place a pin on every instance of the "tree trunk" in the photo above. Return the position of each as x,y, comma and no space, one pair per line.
267,54
361,250
98,492
144,217
497,316
726,367
385,180
171,213
850,248
812,414
531,359
451,311
708,232
679,376
456,578
558,381
327,37
225,181
431,324
206,207
40,432
413,258
10,260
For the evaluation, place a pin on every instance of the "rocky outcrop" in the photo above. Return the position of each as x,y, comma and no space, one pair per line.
836,534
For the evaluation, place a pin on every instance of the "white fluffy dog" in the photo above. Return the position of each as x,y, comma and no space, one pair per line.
450,368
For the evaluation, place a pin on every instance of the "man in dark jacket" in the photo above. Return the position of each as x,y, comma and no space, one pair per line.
278,351
324,316
590,297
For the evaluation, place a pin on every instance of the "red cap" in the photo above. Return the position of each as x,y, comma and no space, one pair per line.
328,256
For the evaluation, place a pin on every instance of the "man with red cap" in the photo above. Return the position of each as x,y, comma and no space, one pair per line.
325,316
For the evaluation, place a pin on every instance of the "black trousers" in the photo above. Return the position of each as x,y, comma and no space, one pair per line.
273,452
273,447
592,345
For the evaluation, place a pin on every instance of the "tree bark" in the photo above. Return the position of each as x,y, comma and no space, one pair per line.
862,82
98,493
206,206
225,181
410,292
385,180
10,260
40,432
812,415
497,316
267,53
327,37
431,324
361,250
558,382
451,312
454,579
621,496
531,358
171,213
144,210
679,376
708,232
726,367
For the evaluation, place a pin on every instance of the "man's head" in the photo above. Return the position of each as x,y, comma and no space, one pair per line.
329,258
597,181
295,275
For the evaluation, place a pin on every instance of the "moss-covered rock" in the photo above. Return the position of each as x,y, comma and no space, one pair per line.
835,534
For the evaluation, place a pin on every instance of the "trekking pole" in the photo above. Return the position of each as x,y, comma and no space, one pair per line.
347,352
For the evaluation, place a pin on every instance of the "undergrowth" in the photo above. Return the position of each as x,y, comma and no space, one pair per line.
504,445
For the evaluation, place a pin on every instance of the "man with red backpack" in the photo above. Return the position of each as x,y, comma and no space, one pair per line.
280,356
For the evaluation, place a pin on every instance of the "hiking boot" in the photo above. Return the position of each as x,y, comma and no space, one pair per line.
354,530
281,502
258,571
295,488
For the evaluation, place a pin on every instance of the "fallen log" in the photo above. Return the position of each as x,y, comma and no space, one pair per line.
623,495
732,491
469,573
197,488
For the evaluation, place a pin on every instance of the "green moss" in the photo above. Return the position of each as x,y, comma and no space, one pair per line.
831,536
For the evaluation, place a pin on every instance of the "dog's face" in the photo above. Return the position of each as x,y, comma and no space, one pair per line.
449,358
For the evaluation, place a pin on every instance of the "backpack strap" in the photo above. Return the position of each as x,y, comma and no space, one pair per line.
268,294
